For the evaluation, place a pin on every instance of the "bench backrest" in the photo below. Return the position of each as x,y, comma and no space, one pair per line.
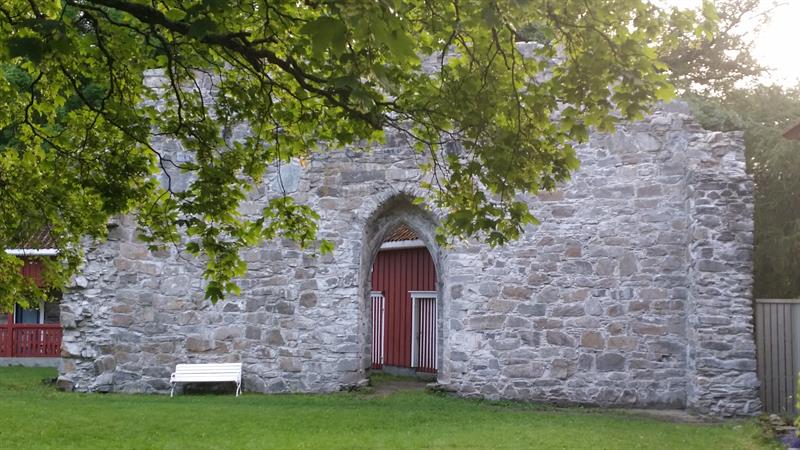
208,372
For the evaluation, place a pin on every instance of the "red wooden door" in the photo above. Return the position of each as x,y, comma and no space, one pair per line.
395,274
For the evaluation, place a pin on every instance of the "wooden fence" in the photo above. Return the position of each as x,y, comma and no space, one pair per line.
30,340
777,330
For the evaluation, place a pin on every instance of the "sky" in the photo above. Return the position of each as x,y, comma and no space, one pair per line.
776,45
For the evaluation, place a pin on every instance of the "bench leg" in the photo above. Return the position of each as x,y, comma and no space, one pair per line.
172,391
238,388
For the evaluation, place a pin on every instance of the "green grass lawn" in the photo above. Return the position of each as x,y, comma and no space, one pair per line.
35,415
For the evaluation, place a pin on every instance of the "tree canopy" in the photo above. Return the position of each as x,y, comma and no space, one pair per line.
78,119
722,81
714,64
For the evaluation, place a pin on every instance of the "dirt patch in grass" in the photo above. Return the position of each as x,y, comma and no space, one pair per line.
389,387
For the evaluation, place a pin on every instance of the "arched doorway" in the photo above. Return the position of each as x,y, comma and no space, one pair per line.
403,305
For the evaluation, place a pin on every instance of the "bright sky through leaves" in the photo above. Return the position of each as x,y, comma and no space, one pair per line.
775,46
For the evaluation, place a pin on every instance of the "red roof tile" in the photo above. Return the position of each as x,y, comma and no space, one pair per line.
402,233
37,240
793,133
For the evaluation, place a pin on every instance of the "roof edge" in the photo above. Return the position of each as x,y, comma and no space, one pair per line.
793,133
32,251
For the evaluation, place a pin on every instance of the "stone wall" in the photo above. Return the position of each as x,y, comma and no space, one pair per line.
634,290
722,355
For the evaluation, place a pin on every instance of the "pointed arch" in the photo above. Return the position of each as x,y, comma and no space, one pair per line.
396,210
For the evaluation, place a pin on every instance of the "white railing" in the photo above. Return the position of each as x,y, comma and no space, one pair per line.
423,331
378,303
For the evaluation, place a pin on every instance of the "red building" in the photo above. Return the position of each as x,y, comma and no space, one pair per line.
404,304
34,331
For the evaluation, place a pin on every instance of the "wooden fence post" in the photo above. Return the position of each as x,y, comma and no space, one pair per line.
9,336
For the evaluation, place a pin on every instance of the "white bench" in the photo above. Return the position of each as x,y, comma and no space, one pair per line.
207,373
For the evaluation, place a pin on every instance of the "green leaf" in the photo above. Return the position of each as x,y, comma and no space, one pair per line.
326,247
202,27
401,45
30,48
327,34
175,15
216,5
665,92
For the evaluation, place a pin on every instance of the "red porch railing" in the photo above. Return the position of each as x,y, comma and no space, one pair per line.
30,340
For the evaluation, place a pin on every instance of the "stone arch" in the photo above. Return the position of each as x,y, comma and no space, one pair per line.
392,212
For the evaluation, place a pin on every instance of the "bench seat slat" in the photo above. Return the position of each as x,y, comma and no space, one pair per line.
210,366
207,371
206,377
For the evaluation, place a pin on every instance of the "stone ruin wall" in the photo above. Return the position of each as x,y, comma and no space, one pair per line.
635,290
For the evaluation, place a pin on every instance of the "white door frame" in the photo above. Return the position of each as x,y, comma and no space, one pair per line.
41,313
415,297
